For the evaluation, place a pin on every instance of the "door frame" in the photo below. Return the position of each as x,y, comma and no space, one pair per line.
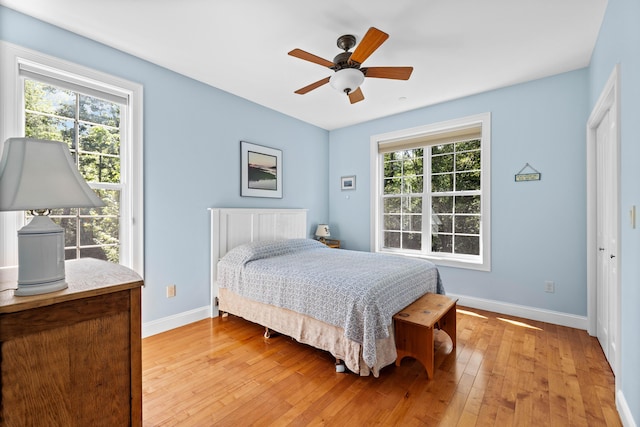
610,97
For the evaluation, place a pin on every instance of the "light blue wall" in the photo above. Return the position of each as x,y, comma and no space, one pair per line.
192,136
619,43
538,228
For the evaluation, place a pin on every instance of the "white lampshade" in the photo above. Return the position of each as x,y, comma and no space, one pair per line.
346,80
322,230
40,175
37,174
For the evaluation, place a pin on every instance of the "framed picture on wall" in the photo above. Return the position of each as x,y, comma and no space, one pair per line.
261,171
348,182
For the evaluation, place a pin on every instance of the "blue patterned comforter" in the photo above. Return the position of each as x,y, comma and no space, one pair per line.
357,291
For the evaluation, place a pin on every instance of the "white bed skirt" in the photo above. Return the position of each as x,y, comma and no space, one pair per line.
308,330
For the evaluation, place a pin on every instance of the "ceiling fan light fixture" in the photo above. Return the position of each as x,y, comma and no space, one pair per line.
346,80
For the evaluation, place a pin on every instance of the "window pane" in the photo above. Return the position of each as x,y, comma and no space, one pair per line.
412,222
69,225
111,198
440,149
442,204
98,111
441,243
98,231
412,241
442,183
391,239
413,166
70,254
468,204
98,253
392,222
392,185
387,157
473,144
468,224
413,205
468,181
467,245
99,139
50,128
45,98
98,168
392,169
469,160
442,223
392,204
413,184
441,164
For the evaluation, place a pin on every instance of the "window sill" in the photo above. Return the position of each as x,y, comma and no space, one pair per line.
444,262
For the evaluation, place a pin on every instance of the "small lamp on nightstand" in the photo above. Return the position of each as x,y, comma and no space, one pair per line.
322,232
37,176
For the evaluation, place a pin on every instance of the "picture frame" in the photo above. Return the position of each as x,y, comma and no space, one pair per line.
348,182
260,171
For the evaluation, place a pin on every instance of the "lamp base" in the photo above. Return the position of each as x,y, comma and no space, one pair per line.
44,288
40,257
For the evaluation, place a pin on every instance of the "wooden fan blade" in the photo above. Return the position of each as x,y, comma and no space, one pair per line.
397,73
299,53
313,86
356,96
369,43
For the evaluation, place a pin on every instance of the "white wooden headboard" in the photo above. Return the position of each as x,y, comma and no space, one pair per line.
231,227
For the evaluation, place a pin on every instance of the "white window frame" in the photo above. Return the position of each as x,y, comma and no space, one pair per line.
482,262
12,59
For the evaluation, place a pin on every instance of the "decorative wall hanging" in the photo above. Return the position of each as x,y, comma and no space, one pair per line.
529,176
261,169
348,182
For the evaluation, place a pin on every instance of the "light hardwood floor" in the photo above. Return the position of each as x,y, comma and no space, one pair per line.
505,371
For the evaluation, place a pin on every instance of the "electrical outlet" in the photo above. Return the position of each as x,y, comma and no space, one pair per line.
171,291
549,286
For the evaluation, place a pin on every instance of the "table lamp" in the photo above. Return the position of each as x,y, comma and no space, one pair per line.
37,176
322,232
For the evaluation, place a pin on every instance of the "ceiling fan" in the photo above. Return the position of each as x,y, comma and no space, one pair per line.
348,74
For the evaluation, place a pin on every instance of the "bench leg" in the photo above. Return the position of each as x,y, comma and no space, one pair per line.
448,324
415,341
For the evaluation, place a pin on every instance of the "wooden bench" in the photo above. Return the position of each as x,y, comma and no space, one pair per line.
414,328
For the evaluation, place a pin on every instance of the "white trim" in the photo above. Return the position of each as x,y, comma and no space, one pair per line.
11,58
484,120
624,411
525,312
609,100
175,321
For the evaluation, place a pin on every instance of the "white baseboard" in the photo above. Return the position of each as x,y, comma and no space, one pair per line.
175,321
623,410
532,313
555,317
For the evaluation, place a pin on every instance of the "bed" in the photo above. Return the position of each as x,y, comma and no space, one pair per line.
265,270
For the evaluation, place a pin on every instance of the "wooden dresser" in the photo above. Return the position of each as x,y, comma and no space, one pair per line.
73,357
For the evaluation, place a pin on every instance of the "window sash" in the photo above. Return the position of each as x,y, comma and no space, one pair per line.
72,82
426,231
457,130
16,64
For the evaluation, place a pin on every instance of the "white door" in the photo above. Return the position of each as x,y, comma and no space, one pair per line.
606,235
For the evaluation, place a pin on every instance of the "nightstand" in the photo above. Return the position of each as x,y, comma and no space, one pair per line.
332,243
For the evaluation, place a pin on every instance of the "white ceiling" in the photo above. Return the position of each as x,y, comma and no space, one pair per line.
457,47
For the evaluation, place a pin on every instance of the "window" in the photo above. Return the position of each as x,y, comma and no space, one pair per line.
100,118
432,193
